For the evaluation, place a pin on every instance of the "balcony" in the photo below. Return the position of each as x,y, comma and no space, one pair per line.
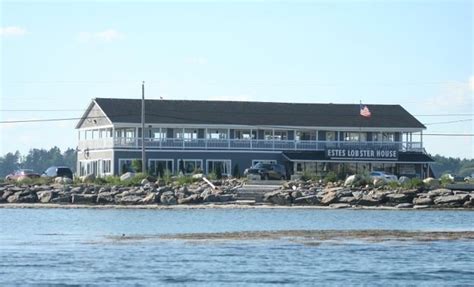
241,144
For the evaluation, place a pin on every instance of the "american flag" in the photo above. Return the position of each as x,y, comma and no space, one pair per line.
364,111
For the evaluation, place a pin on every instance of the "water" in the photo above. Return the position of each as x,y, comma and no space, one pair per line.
73,246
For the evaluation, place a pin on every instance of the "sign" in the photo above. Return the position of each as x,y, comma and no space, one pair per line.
361,153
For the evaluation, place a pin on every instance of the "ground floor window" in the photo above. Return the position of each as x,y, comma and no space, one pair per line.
129,165
158,167
223,165
188,166
96,167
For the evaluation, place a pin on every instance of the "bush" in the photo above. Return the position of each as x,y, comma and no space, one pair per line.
445,179
236,171
212,176
218,171
185,179
330,177
393,184
137,165
35,181
414,183
167,177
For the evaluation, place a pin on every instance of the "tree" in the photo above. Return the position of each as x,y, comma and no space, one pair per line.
9,163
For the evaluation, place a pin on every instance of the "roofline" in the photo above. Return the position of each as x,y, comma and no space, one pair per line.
89,108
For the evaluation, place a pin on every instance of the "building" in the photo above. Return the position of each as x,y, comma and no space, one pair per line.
185,136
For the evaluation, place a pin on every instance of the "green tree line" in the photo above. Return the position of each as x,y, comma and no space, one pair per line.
455,166
38,160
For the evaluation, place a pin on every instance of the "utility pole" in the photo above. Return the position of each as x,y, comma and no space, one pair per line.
144,165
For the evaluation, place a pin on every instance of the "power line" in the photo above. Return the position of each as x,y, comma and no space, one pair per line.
449,122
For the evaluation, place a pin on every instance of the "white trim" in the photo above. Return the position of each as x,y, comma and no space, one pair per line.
122,159
181,150
254,161
189,159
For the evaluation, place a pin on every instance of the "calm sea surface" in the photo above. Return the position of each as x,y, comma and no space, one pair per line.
74,247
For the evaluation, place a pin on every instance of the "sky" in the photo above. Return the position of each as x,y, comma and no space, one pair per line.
56,56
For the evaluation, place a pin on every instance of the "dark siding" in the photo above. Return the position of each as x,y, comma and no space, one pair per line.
200,133
291,135
322,135
169,133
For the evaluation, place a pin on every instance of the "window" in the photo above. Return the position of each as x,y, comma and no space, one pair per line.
305,135
186,134
331,136
155,133
158,167
217,134
223,165
243,134
188,166
355,136
275,135
125,165
383,137
106,166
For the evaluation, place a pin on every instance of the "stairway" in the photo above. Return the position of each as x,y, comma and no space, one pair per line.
253,191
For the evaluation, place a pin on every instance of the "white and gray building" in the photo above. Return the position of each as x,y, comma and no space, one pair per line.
186,135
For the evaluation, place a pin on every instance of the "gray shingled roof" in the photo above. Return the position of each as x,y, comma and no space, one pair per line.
256,113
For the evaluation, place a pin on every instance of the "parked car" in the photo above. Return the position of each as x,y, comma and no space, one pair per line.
383,175
267,171
21,174
58,171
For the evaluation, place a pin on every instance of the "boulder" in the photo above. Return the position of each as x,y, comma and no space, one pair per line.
88,178
329,198
198,176
77,189
168,198
106,198
350,180
278,197
22,197
46,196
368,201
144,181
127,176
404,205
129,199
431,182
440,192
397,198
309,199
423,201
150,198
192,199
84,198
346,199
339,205
378,182
62,198
404,180
452,199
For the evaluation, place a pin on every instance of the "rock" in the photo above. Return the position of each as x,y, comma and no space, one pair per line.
296,194
378,182
346,199
150,198
404,180
77,189
144,181
439,192
62,180
192,199
277,197
83,198
309,199
396,198
88,178
450,199
368,201
168,198
421,206
62,198
22,197
431,182
127,176
423,201
350,180
329,198
106,197
129,199
339,205
46,196
404,205
198,176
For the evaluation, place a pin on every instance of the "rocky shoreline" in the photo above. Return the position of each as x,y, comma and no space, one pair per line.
225,193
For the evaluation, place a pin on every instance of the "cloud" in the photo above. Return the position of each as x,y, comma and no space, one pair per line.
108,35
12,31
471,83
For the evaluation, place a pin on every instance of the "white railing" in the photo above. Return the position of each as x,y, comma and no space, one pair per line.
243,144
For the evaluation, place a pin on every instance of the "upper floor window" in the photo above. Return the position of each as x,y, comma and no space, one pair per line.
156,133
305,135
243,134
217,134
355,136
275,135
383,137
331,136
